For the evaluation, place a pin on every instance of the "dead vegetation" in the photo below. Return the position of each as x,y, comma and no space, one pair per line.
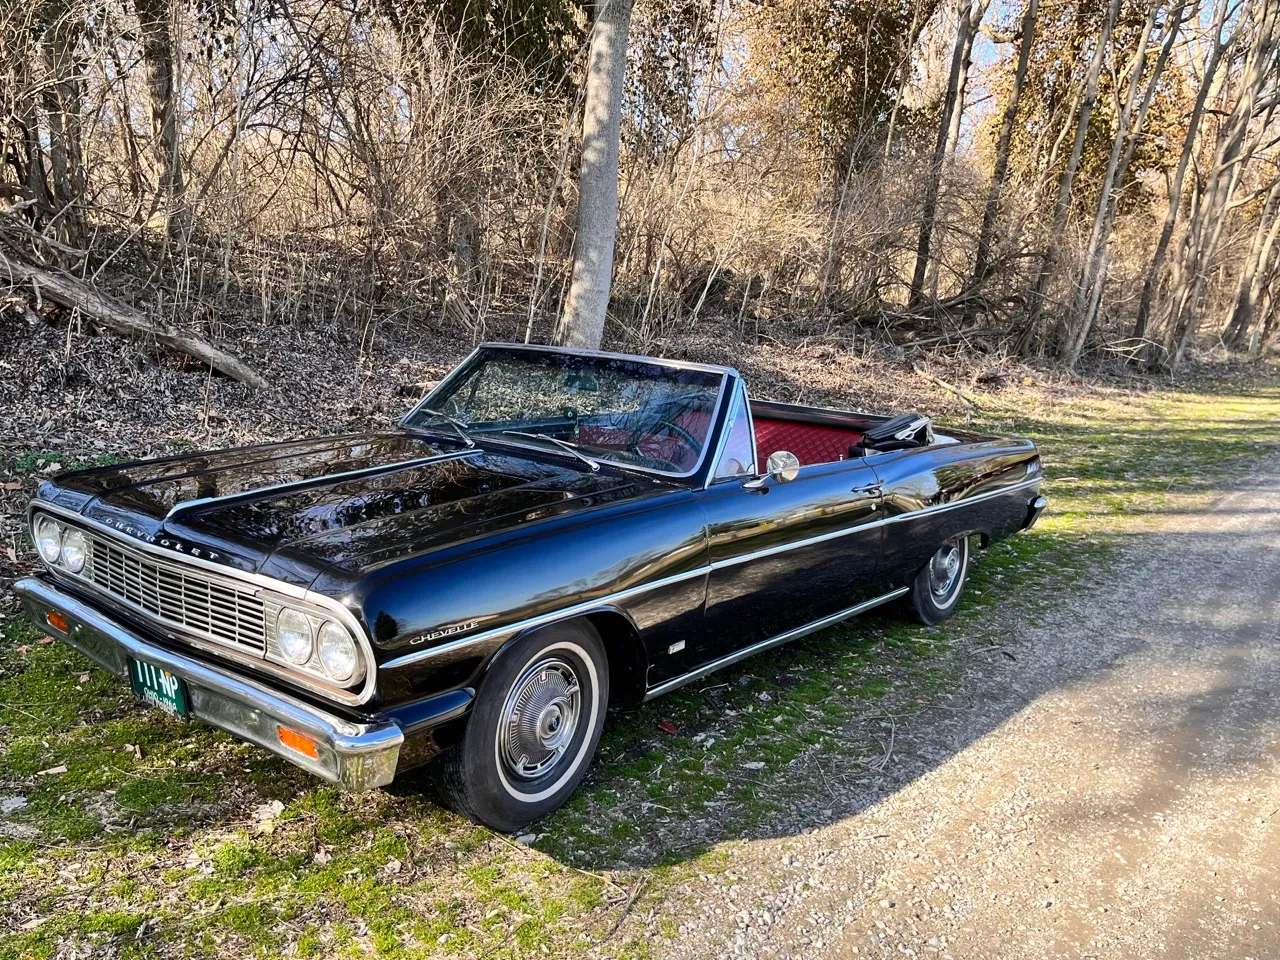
223,167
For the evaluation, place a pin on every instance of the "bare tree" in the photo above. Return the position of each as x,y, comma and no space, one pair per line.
1219,45
1129,128
582,323
159,53
1253,274
1000,168
1063,206
1246,129
62,101
970,19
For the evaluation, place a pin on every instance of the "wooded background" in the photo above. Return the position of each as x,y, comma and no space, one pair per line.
1080,181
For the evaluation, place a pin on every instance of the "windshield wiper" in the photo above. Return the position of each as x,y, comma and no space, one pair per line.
564,445
458,425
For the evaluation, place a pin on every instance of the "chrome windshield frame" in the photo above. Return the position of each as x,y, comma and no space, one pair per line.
729,378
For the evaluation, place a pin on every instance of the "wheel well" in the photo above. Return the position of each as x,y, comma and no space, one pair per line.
628,663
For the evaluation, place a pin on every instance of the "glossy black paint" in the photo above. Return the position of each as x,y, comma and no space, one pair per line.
751,597
447,554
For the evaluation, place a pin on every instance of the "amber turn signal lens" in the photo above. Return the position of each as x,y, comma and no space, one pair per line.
297,741
57,621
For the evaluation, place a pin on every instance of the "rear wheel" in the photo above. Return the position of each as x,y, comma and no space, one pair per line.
533,729
937,587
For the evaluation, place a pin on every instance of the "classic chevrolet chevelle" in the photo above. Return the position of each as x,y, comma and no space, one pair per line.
545,534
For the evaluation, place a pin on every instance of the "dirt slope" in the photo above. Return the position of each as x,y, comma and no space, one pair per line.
1126,808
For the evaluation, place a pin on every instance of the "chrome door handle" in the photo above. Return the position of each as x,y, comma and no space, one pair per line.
871,489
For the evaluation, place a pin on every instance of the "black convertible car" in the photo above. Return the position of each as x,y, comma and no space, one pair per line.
545,534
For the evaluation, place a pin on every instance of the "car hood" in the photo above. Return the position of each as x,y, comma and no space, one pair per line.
346,503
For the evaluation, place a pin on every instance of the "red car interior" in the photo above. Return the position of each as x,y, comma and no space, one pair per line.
666,442
810,442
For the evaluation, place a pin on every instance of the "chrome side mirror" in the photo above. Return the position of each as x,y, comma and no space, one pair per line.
781,467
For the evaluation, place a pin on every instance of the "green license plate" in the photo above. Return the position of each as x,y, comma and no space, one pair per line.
160,688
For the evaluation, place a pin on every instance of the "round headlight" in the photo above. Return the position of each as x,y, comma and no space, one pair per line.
293,635
74,550
48,534
337,652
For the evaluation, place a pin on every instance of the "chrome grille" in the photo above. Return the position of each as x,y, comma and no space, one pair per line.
182,597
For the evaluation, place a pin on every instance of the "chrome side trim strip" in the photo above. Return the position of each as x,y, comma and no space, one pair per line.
899,518
763,645
324,478
543,619
630,592
976,498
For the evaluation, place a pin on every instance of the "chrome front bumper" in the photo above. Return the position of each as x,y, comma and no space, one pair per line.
356,756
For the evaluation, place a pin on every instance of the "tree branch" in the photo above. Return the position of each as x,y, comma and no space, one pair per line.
67,291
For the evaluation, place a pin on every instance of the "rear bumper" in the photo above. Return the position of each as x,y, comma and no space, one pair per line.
1034,509
356,756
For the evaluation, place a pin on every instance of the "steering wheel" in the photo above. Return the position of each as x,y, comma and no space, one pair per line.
671,427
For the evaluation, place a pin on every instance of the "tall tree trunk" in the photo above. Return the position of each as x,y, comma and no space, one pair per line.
1128,129
582,323
62,102
1249,290
1263,292
1240,139
833,263
970,17
1207,83
1094,286
27,155
975,12
1000,170
1090,97
904,71
1270,311
160,56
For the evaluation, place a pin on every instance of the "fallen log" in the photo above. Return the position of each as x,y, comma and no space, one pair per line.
74,294
952,388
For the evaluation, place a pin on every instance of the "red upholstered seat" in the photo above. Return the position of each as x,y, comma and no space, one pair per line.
811,442
662,444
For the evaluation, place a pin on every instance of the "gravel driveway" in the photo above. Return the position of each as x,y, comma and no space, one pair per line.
1108,789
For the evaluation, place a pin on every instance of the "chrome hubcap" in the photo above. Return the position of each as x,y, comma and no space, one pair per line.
945,570
540,718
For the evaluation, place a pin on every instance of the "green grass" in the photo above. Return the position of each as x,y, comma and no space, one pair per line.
40,461
159,840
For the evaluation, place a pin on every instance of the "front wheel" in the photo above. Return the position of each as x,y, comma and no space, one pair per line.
937,587
533,729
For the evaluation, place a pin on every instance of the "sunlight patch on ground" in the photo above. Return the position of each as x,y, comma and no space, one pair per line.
121,830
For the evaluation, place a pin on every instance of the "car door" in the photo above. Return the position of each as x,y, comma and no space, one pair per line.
786,553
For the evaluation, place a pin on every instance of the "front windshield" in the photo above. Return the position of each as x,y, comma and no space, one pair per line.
628,412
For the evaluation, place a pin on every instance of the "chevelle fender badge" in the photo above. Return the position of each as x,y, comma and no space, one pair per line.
448,631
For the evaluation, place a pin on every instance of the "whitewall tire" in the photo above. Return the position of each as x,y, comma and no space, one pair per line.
534,728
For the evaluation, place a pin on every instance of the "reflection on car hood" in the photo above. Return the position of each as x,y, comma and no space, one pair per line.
349,502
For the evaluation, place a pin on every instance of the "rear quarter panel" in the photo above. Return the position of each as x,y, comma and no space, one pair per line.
939,492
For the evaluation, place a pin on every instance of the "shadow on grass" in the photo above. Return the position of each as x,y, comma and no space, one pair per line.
783,743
